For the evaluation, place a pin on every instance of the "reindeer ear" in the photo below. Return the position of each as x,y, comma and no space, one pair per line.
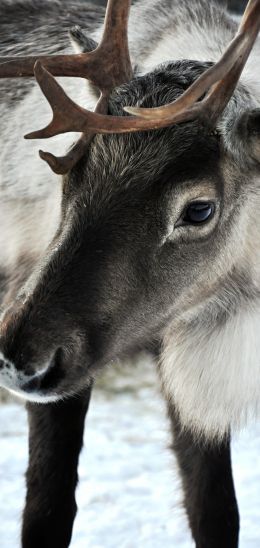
80,42
83,44
253,122
248,127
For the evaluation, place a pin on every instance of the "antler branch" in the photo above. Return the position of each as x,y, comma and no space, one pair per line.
107,66
224,74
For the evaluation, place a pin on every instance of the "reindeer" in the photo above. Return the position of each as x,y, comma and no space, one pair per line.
148,239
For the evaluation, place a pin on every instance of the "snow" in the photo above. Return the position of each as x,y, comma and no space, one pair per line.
129,493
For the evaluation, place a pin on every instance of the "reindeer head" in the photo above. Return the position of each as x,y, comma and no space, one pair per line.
155,208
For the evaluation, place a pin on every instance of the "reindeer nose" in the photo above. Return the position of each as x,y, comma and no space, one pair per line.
31,383
12,378
44,382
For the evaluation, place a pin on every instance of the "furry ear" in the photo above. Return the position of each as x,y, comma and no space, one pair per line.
248,127
81,42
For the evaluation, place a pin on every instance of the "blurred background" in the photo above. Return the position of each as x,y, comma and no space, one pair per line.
234,5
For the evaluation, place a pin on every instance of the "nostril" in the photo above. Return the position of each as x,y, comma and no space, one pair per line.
31,378
49,377
55,372
32,385
4,364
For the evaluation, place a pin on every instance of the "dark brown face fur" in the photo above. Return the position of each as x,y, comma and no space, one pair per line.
123,263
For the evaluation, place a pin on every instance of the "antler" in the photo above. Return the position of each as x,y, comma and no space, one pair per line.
224,74
106,67
109,65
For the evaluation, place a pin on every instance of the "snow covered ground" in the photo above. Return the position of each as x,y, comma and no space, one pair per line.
129,493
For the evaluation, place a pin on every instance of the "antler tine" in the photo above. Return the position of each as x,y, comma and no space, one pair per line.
114,43
63,164
224,74
59,65
73,121
107,66
220,94
70,117
60,103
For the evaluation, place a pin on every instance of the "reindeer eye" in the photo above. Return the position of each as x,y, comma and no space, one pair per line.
198,213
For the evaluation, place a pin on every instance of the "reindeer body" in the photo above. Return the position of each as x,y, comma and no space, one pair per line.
207,338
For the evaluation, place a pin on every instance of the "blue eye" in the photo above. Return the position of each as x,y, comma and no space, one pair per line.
198,213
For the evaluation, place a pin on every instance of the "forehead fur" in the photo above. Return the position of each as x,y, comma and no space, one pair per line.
187,150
